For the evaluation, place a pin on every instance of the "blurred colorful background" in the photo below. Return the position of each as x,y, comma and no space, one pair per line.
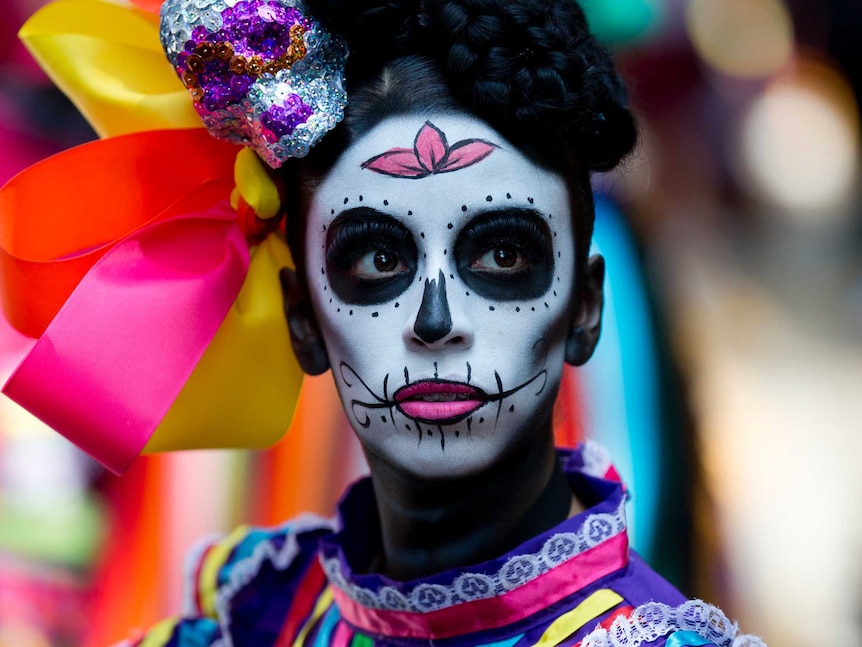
727,386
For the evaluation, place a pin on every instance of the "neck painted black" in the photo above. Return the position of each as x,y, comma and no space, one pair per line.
432,526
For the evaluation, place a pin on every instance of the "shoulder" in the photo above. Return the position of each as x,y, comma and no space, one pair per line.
693,623
231,578
220,566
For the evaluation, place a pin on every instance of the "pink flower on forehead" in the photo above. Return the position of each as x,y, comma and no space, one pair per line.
431,154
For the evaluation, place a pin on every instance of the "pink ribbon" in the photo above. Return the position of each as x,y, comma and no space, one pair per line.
132,309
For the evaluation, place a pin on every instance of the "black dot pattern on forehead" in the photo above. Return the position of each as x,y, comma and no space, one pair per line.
517,309
324,226
512,409
332,213
546,305
463,207
445,251
555,293
530,200
481,420
452,276
346,200
450,225
508,196
386,203
330,300
360,198
397,305
422,234
533,308
489,199
377,314
409,213
468,294
323,271
491,308
351,313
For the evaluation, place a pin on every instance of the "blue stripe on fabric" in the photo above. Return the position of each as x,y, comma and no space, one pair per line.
509,642
327,626
687,639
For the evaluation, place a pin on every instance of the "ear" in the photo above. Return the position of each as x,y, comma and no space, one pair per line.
587,323
305,334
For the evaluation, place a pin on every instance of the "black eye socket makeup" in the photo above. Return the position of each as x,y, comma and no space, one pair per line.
506,254
370,257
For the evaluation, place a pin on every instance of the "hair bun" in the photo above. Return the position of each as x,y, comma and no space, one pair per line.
376,30
537,63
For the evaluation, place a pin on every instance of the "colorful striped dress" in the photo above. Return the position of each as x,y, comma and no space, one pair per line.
304,585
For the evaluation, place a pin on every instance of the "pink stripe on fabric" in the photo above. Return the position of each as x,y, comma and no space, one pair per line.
123,345
343,634
491,613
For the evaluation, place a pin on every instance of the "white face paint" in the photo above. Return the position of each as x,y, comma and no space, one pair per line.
443,288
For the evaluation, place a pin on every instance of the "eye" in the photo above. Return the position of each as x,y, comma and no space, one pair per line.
378,264
502,258
506,254
371,257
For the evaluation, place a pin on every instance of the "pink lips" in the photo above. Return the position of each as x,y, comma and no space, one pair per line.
438,401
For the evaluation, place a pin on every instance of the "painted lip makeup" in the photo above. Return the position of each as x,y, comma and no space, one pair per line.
439,402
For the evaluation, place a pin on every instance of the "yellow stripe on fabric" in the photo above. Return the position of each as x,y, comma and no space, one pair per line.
160,634
568,623
213,562
323,603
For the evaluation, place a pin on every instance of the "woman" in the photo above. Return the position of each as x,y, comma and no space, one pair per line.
441,235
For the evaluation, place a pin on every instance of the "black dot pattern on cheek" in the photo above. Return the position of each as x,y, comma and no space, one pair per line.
360,198
463,207
508,196
491,308
558,279
330,300
351,313
383,418
422,234
533,308
559,254
468,294
452,276
555,293
517,310
449,226
489,199
346,200
397,305
377,314
338,310
332,213
323,271
430,433
457,434
408,427
530,200
409,213
546,305
511,409
444,252
481,420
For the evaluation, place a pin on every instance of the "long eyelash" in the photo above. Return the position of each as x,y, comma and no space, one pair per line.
356,237
511,228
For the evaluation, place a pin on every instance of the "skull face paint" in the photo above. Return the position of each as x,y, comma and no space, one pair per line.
444,294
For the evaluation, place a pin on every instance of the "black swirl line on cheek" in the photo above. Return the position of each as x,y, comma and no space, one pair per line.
380,402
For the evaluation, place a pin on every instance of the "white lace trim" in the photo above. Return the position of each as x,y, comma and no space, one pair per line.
246,569
468,587
596,459
655,620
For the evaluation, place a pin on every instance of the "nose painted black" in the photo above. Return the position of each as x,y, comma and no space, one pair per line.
434,320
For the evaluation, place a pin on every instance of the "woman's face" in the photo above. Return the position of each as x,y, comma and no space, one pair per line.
441,264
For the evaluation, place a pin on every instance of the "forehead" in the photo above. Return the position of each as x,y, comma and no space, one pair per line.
504,174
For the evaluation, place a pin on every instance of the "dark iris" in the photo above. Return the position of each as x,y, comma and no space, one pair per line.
505,256
385,262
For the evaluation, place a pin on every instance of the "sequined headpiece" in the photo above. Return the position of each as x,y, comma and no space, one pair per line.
262,73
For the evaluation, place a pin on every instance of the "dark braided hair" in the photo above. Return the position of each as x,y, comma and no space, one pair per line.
529,68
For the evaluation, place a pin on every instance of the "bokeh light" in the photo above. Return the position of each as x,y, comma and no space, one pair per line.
799,142
741,38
